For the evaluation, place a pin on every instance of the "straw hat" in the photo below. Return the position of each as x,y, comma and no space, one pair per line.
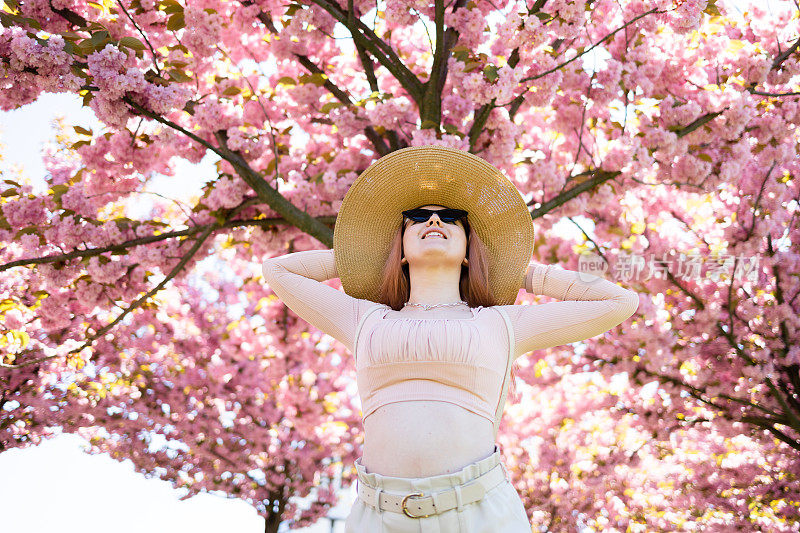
371,214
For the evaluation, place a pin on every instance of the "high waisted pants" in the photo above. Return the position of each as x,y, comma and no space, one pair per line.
500,510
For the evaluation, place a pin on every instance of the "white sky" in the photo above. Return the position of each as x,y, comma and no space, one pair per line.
56,487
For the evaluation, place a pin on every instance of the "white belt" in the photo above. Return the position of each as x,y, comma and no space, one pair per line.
438,502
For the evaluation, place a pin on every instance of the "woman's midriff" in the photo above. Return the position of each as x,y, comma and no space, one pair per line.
423,438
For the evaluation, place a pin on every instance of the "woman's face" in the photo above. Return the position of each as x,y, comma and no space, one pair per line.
420,248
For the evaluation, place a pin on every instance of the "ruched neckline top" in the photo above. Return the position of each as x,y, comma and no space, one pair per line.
457,360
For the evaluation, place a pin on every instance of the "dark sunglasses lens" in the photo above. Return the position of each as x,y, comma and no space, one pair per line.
445,215
451,215
418,216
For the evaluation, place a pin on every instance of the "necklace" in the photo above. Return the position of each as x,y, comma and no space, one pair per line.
432,306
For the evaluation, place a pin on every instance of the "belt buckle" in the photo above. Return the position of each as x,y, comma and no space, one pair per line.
403,505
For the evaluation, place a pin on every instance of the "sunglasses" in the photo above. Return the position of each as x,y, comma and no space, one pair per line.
445,215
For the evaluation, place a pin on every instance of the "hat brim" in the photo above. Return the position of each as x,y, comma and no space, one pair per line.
370,215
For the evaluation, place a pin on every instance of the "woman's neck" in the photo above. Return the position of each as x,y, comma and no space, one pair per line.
435,286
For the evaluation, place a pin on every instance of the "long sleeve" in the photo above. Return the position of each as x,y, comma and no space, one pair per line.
296,279
592,305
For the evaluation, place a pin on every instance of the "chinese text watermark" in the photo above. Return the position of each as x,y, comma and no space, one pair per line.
692,266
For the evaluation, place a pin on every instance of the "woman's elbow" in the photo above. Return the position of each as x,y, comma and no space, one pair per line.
268,269
629,305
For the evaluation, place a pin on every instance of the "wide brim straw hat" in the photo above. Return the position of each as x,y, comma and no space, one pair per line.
371,214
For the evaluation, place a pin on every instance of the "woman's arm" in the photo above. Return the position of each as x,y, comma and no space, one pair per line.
297,278
592,306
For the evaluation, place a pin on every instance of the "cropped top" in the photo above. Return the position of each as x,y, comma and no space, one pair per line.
466,361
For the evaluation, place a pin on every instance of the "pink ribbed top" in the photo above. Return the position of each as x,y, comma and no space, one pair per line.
456,360
441,357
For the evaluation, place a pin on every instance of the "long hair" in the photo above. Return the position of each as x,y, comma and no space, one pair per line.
395,285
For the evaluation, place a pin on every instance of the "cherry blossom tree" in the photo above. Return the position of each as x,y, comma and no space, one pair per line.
658,129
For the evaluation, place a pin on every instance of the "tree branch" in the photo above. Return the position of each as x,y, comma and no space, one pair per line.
600,177
431,108
137,303
778,61
384,53
341,95
521,96
263,222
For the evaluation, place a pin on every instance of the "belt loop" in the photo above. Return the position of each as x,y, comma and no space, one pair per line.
459,499
378,491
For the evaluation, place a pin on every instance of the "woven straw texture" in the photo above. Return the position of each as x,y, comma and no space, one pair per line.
419,175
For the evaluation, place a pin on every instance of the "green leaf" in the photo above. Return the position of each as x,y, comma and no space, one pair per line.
176,22
711,8
25,231
292,9
490,72
452,129
132,42
82,131
85,46
317,79
286,80
124,223
270,167
232,91
330,105
472,65
58,189
99,37
178,75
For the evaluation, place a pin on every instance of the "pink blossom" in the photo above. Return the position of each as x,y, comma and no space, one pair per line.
23,212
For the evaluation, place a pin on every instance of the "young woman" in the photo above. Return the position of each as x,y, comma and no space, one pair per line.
431,245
